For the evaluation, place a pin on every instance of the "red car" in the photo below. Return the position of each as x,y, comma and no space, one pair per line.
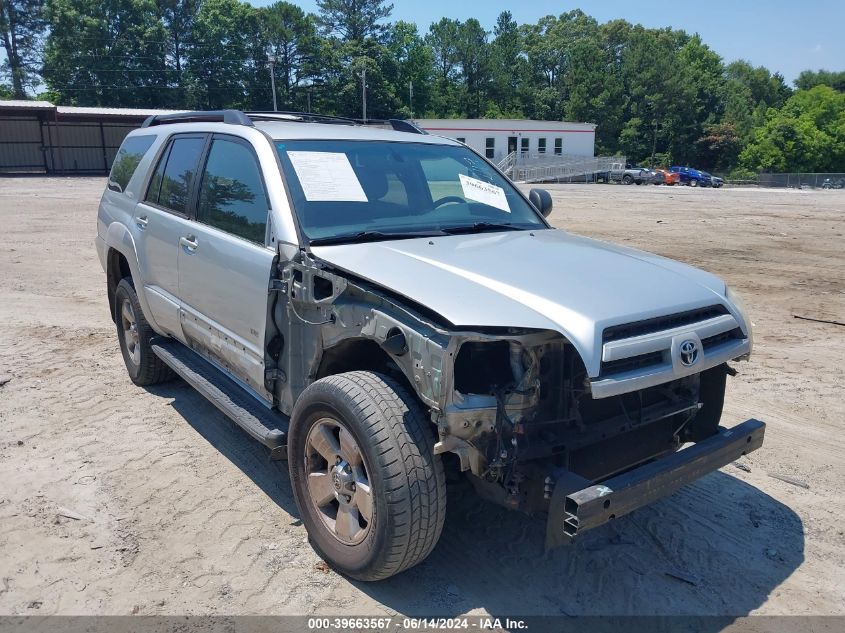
669,177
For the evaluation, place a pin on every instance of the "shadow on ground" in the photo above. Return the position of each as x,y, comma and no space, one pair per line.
251,457
717,547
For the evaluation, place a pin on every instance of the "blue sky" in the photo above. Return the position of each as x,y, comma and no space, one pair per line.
784,36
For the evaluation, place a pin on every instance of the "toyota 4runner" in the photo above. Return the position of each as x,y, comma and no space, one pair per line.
381,306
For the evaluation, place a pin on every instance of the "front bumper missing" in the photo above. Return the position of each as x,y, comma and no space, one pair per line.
571,513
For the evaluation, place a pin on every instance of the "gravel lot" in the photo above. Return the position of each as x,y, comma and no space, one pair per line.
118,500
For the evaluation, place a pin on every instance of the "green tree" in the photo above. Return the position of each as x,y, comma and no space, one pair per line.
225,56
353,19
474,58
177,18
106,53
812,78
747,93
506,66
382,78
806,135
292,37
21,27
719,146
443,40
415,66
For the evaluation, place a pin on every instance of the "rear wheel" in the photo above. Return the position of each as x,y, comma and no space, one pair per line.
369,488
134,335
693,183
627,179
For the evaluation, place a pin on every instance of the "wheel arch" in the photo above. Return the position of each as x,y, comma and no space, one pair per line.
121,256
361,354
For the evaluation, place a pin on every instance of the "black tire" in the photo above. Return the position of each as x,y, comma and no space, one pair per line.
627,179
144,367
405,478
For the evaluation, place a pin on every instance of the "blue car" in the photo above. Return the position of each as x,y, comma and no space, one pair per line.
693,177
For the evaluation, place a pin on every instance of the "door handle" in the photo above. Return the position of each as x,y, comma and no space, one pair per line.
141,222
189,242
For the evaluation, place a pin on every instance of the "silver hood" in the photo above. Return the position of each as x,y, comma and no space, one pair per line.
546,279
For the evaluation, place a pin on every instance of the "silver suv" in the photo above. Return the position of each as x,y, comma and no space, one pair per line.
386,310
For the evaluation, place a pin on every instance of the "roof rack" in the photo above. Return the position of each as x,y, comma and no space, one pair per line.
236,117
307,117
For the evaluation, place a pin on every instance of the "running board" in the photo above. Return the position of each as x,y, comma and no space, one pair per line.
264,424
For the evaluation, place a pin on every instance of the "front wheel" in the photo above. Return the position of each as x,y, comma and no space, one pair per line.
369,488
693,183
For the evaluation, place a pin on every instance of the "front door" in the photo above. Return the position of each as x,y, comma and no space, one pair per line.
511,144
224,264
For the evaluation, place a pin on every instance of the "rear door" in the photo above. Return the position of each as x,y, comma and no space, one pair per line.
224,262
161,217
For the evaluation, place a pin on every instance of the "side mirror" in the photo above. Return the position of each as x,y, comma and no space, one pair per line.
542,201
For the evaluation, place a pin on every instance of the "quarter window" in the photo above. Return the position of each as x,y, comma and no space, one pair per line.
171,183
232,196
558,146
490,148
128,157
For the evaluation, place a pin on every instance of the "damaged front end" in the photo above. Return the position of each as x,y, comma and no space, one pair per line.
515,406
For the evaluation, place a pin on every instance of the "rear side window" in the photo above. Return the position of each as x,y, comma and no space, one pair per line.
232,196
171,183
128,157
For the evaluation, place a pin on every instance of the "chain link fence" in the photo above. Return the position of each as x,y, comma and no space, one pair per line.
802,181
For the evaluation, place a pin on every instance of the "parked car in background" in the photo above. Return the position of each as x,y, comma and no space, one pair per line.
715,181
626,174
692,177
649,176
669,177
833,184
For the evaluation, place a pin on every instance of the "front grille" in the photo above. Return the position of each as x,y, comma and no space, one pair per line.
646,326
718,339
613,367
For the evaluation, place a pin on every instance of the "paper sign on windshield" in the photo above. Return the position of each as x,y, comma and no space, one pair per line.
484,192
327,177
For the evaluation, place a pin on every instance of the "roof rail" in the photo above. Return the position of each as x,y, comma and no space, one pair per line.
400,125
235,117
308,117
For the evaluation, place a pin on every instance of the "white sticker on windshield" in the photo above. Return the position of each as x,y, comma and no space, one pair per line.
327,177
484,192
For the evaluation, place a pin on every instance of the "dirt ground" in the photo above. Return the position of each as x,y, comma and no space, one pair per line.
116,499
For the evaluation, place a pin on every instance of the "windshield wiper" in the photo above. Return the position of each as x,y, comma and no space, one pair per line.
479,227
371,236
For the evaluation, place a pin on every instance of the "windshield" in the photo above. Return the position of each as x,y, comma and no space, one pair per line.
359,190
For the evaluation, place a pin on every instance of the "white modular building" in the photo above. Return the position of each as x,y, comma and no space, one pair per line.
496,138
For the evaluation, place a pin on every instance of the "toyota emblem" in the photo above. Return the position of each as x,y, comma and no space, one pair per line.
689,353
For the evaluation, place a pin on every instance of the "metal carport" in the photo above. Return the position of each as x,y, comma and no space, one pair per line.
39,137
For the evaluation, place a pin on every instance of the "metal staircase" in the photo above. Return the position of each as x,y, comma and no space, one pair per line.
527,168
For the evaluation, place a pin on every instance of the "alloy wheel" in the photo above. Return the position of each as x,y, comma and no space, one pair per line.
338,481
129,325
